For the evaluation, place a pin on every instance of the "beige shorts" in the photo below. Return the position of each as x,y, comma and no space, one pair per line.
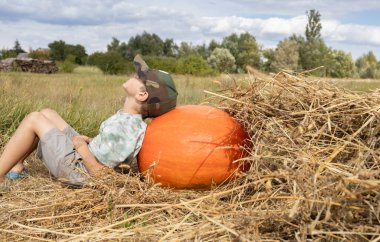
57,152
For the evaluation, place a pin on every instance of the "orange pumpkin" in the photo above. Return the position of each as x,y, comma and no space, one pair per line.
192,146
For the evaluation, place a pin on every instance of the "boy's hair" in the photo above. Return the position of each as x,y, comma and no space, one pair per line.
160,87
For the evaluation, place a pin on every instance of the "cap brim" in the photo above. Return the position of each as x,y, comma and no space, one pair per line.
140,67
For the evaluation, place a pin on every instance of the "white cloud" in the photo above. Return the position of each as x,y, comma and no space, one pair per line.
350,33
261,28
93,23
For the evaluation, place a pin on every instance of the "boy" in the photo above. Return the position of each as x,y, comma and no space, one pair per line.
72,157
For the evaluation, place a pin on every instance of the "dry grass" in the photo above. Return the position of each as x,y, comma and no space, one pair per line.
315,176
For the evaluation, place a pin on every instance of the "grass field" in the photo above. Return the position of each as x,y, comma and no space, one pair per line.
84,98
360,85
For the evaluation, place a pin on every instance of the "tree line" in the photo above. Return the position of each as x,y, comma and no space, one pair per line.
295,53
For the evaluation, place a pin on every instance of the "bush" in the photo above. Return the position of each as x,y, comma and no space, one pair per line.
194,65
110,62
222,60
68,65
367,66
39,54
340,64
4,54
161,63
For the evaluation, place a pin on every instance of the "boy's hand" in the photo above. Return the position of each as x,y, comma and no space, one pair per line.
93,166
80,140
86,138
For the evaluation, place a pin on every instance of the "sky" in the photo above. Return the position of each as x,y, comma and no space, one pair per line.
348,25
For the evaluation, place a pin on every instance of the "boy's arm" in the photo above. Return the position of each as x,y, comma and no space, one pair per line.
90,162
86,138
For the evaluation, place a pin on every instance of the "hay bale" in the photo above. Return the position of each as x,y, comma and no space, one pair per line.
319,148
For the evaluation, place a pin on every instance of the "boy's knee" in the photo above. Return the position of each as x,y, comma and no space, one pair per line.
48,111
34,117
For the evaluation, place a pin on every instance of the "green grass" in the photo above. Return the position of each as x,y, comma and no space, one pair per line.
361,85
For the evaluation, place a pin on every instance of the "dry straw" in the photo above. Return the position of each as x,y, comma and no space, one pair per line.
315,175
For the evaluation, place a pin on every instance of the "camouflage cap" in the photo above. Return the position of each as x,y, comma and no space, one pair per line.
160,87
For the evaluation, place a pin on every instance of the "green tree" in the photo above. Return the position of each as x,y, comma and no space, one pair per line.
57,50
152,44
78,51
185,49
286,55
17,48
314,52
231,43
170,49
202,50
341,64
145,44
93,58
249,51
268,55
297,38
119,47
244,48
314,26
212,45
367,66
222,60
114,45
301,47
134,47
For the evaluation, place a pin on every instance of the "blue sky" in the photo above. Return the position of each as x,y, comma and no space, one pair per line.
352,26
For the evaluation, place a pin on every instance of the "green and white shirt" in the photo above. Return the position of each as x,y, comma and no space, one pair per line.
119,140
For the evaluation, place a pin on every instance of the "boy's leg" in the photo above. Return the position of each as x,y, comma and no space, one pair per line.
55,118
33,126
57,121
19,167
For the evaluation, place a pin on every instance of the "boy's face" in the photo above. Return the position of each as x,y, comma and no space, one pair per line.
134,87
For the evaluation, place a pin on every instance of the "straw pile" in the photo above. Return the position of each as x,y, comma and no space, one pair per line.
315,175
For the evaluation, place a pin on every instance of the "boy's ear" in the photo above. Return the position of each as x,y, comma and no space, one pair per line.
142,96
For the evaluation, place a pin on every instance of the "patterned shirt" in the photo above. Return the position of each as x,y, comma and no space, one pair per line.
119,140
